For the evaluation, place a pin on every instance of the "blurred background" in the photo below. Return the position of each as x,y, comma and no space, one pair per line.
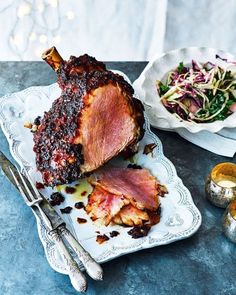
114,29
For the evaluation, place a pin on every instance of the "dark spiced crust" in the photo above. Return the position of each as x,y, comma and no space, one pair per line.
53,140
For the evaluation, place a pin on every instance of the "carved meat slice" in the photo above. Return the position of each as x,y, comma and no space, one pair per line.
137,185
104,205
125,196
107,126
109,207
130,215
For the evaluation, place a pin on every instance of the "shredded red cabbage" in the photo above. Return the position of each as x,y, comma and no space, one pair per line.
200,93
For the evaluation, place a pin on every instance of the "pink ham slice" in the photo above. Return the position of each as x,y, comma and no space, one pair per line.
137,185
104,205
109,208
106,127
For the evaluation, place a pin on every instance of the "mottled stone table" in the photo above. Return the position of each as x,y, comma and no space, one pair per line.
202,264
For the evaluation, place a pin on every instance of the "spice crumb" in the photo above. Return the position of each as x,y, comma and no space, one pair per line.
134,166
66,210
28,125
79,205
70,190
81,220
139,231
56,199
37,121
34,128
39,185
149,148
114,233
101,239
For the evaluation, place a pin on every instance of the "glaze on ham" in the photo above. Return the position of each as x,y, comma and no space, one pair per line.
95,118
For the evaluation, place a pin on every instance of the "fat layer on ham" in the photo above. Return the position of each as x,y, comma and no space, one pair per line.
124,196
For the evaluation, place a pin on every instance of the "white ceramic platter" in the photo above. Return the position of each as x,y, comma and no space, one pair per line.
157,69
179,218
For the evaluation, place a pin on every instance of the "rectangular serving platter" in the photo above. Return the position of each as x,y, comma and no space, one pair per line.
180,218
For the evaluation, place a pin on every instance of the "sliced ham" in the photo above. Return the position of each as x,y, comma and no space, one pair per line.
109,208
125,196
104,205
129,215
137,185
101,130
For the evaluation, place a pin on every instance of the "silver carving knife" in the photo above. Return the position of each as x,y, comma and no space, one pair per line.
58,225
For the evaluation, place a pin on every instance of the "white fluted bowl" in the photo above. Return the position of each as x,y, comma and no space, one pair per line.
145,87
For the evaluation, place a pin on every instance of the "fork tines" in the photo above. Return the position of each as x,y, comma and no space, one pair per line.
26,187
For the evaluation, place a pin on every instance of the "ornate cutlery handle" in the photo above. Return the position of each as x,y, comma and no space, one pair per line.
92,267
77,278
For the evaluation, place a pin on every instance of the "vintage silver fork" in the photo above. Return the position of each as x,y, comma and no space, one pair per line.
33,198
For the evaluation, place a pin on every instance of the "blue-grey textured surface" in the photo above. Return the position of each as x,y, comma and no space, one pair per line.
202,264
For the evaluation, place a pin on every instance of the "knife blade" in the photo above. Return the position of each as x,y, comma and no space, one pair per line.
50,212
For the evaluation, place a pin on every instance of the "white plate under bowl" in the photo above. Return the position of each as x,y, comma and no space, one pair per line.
145,86
179,218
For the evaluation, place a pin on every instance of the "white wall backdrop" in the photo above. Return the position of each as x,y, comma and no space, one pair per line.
210,23
114,29
107,29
